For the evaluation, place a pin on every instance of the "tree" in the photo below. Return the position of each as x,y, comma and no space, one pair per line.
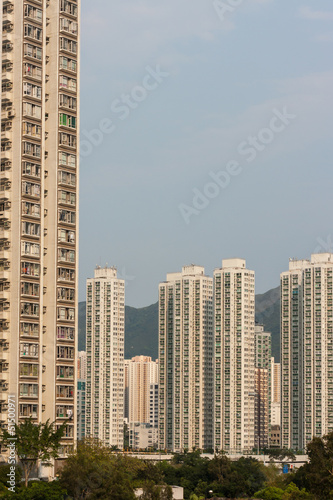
270,493
34,443
38,491
317,475
93,471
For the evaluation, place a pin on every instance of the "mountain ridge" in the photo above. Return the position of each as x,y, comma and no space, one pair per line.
141,325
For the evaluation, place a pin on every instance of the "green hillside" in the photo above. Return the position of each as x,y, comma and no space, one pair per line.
141,325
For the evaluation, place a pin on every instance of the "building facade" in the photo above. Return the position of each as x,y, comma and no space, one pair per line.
262,386
39,210
275,393
140,373
105,326
186,360
234,357
306,350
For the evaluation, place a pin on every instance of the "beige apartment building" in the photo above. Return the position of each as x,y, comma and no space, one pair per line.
105,326
306,350
186,360
275,393
140,373
39,210
234,357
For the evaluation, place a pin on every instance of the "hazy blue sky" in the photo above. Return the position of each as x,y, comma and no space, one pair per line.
225,75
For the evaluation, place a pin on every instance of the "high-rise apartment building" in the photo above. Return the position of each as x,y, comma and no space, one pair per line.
105,357
140,373
262,386
234,357
39,210
306,350
275,393
82,365
186,360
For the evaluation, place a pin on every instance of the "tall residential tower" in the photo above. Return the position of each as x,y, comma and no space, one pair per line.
105,357
234,357
186,360
39,210
306,350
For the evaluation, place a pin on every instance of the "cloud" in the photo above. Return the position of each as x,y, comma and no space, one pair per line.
315,15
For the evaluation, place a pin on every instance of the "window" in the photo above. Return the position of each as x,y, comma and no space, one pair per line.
66,313
68,64
66,236
29,329
32,90
65,333
30,188
65,255
68,83
32,71
68,7
29,390
68,45
30,269
28,370
68,25
33,13
28,248
67,101
67,216
31,149
31,169
67,178
32,129
66,294
67,120
68,140
29,309
32,110
33,51
67,159
33,32
31,289
31,228
67,197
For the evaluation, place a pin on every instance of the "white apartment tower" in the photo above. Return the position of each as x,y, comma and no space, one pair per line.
186,360
39,210
306,350
105,357
234,357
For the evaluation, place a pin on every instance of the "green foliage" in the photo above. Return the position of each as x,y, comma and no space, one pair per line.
4,470
94,472
317,475
38,491
270,493
293,493
281,454
34,442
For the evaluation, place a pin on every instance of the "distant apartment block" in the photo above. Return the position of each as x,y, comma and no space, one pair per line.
262,386
186,360
141,382
275,393
306,350
105,357
140,373
39,211
82,365
234,357
81,409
